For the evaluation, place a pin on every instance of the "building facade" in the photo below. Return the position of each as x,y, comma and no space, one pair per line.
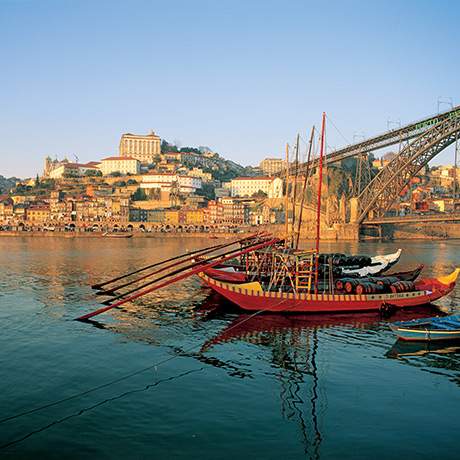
142,147
248,186
73,170
123,165
168,181
271,166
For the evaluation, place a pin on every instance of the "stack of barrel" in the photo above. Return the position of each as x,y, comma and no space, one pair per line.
373,285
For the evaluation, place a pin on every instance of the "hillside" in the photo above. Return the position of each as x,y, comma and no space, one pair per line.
7,183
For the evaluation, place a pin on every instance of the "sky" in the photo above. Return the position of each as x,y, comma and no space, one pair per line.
242,77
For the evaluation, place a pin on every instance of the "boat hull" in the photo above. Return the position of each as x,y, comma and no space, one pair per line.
251,297
425,335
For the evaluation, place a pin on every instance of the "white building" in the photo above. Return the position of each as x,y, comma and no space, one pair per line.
165,181
123,165
248,186
73,170
143,148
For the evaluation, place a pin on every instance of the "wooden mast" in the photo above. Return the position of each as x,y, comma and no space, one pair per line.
318,208
304,188
294,192
286,201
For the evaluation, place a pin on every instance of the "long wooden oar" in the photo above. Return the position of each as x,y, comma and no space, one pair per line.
156,264
175,272
177,278
203,252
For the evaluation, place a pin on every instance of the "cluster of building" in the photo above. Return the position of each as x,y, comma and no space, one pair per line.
144,186
434,189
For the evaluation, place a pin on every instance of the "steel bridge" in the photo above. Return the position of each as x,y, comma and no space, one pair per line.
414,219
423,139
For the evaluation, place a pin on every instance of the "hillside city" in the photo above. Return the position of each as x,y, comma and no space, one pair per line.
152,186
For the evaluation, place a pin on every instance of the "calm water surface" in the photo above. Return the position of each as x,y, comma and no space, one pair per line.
218,384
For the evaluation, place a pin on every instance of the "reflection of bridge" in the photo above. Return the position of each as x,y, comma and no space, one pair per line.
419,143
413,218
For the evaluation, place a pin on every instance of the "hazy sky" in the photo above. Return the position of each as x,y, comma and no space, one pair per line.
239,76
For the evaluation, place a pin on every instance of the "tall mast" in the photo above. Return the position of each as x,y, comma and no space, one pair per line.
318,208
304,188
294,193
286,200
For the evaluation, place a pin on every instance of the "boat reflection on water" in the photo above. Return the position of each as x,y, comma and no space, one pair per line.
295,343
441,358
403,349
254,328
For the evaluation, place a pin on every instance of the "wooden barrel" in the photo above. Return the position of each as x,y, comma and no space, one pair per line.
402,286
368,288
350,285
387,280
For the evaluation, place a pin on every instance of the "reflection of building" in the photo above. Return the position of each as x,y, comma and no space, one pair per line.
143,148
272,166
123,165
248,186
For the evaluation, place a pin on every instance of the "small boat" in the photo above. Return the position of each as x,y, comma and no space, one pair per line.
410,275
117,235
379,264
428,329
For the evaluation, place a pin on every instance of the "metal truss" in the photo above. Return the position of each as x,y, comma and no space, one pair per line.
386,186
386,139
363,174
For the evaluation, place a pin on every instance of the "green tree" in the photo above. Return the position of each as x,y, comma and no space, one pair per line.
92,173
259,194
139,195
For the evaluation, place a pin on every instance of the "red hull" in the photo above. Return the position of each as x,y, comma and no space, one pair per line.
249,297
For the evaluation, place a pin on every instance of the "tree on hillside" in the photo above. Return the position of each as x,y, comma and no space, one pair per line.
259,194
167,147
92,173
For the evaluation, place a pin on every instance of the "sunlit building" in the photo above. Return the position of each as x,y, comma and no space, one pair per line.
123,165
142,147
272,187
271,166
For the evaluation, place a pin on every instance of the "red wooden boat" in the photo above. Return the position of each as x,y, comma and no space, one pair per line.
252,296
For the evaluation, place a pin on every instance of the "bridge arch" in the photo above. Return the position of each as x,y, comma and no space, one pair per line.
385,187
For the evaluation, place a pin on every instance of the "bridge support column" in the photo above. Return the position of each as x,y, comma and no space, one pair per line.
354,210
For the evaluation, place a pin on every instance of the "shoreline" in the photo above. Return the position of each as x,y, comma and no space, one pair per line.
209,235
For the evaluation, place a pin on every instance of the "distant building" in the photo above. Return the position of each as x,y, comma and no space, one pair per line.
169,181
271,166
73,170
248,186
123,165
143,148
39,213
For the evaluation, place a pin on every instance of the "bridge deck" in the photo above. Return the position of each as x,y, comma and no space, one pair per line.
417,218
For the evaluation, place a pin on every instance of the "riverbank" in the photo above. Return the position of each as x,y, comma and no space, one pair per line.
127,234
428,233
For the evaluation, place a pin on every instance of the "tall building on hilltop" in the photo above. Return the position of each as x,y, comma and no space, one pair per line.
272,166
142,147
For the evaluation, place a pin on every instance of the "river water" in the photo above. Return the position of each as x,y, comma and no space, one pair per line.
183,375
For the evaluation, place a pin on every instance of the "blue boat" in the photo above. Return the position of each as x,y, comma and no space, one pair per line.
428,329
